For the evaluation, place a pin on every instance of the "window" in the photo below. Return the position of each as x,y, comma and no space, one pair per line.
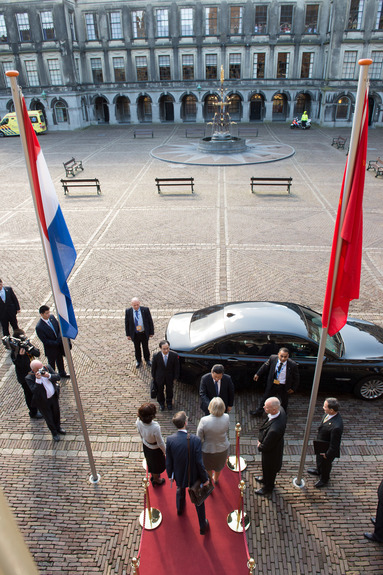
259,65
119,70
286,21
283,65
7,66
343,107
211,18
349,62
95,64
236,13
311,20
72,26
91,27
379,16
211,66
138,21
77,69
307,65
47,26
186,22
115,25
187,67
54,72
23,26
32,75
376,67
355,15
162,23
234,65
164,67
260,20
61,112
3,29
142,68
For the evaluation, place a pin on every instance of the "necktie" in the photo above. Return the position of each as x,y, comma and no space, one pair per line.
136,318
326,418
216,388
165,360
2,293
51,326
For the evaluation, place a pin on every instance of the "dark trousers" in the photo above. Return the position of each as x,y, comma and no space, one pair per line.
28,398
169,392
276,391
324,467
140,339
5,324
56,359
50,410
379,514
269,473
180,502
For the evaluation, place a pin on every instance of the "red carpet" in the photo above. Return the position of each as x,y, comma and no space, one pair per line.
176,546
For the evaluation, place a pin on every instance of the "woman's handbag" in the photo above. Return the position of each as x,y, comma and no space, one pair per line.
198,492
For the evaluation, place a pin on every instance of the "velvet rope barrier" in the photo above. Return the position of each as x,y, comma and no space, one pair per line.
250,561
236,462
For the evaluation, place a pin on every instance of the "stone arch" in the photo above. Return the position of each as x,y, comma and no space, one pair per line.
144,108
166,107
257,109
189,103
280,106
122,108
101,109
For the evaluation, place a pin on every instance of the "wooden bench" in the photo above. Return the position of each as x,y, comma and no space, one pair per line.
270,182
339,142
377,166
194,133
143,132
174,182
248,131
72,166
93,183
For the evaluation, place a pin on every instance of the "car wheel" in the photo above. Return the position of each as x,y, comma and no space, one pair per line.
369,388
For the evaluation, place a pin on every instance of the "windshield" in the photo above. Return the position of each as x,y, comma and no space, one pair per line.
207,324
334,343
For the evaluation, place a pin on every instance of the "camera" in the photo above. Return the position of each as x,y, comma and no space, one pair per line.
42,370
15,343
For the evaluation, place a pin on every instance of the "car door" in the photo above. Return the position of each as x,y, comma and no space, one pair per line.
242,355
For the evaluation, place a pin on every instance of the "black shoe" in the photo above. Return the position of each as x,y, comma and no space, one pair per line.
149,363
64,375
62,431
262,491
373,520
313,471
138,364
257,413
372,537
320,484
36,416
162,407
205,529
160,481
180,511
56,438
259,478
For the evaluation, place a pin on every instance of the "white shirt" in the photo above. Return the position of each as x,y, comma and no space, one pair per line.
49,387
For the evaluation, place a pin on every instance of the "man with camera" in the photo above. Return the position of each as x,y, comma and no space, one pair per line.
9,308
43,383
22,353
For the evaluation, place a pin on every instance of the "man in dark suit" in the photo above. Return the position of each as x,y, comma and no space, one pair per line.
139,328
270,444
178,462
377,521
282,379
165,372
22,353
328,437
216,384
43,383
9,307
48,330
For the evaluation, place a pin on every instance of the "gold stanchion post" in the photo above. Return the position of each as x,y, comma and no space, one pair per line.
150,517
235,520
235,462
136,566
251,565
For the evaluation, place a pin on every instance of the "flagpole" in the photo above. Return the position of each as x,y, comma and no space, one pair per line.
16,94
355,132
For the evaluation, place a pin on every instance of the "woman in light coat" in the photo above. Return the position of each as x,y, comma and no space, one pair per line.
212,431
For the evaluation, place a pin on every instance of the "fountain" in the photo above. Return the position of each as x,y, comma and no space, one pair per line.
222,141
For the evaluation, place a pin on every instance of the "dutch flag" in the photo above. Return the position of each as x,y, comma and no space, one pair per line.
58,245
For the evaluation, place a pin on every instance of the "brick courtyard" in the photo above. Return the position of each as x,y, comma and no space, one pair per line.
181,252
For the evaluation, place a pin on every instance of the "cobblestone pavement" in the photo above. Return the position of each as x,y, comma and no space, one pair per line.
181,252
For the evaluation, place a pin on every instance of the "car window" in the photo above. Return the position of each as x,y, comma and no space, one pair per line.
314,328
301,348
248,344
211,348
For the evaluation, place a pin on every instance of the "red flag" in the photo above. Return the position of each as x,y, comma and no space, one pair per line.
347,281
